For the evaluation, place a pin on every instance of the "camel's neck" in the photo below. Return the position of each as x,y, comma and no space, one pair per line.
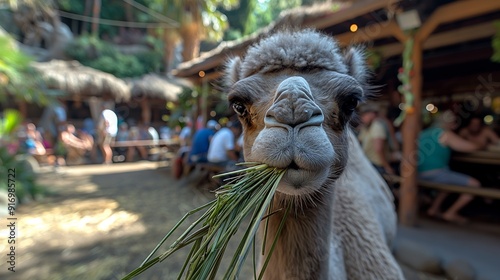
303,248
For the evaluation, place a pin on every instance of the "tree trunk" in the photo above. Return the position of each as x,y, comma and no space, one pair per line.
96,12
170,39
87,12
190,34
129,12
190,30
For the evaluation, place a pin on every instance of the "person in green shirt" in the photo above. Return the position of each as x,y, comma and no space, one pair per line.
434,151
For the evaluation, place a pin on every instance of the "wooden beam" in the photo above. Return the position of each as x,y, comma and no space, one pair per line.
357,8
213,61
455,11
372,32
469,33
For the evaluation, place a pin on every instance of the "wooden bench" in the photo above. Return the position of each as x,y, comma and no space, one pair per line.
202,174
484,191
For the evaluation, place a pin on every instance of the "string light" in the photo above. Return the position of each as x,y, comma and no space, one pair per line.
354,27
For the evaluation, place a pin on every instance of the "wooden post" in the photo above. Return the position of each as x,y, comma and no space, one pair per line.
146,110
204,103
408,206
96,14
23,108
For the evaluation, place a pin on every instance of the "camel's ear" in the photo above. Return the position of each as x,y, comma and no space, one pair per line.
356,63
233,69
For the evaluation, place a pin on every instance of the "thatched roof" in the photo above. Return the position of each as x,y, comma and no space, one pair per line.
155,86
76,79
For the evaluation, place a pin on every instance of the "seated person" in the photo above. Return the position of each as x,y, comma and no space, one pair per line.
34,142
222,147
479,134
434,152
201,143
76,144
374,136
134,135
121,135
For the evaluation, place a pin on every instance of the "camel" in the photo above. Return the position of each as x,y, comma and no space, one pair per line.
295,93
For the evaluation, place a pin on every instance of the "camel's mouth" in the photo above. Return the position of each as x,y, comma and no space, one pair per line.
298,181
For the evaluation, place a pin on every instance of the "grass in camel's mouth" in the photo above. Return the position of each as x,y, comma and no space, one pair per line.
248,193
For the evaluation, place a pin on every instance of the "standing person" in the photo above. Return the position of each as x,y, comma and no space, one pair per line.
222,150
108,128
479,134
201,143
434,152
374,138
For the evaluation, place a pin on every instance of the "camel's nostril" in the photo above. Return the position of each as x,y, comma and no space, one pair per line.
293,165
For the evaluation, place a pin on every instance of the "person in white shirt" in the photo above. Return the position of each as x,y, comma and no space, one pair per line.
108,128
222,150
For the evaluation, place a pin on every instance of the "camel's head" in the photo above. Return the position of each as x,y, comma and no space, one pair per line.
295,93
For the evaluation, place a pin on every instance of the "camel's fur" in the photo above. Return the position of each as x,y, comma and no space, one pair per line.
343,219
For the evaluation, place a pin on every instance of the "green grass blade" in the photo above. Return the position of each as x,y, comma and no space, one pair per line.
268,258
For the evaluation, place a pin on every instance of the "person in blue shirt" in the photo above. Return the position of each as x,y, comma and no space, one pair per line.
434,151
201,143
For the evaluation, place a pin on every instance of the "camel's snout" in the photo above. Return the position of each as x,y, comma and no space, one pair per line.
294,106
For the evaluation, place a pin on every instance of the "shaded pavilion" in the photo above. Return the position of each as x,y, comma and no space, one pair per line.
451,42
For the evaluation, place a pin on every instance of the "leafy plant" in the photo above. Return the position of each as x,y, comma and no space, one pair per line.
25,185
17,77
250,193
98,54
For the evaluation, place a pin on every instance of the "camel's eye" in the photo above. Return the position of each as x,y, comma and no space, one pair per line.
240,109
350,103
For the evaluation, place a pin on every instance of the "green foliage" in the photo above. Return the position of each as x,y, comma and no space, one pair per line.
151,61
98,54
72,6
17,78
495,43
374,59
213,20
119,65
110,9
25,184
11,119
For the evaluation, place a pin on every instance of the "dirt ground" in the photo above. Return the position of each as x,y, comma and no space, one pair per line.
101,222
